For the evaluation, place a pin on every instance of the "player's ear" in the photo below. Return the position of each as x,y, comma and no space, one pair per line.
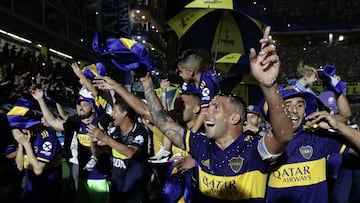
235,118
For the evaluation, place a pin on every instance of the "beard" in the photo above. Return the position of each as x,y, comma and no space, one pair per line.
86,115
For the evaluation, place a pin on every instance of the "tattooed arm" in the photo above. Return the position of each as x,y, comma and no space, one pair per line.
170,128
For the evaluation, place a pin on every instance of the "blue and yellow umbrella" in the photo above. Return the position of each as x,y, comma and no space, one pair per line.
218,26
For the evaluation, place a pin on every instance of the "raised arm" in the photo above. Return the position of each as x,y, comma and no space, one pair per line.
105,82
265,68
343,108
55,123
170,128
86,82
325,120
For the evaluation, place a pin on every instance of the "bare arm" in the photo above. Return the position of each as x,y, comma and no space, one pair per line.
171,129
24,142
55,123
326,121
86,82
19,159
199,122
164,85
105,82
265,68
343,108
61,111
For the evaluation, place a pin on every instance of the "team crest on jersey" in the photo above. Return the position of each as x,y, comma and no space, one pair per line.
236,164
130,139
306,151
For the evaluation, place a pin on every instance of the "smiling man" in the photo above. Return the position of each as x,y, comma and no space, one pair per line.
300,174
232,168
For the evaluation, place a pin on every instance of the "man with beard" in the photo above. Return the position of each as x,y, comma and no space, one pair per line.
94,184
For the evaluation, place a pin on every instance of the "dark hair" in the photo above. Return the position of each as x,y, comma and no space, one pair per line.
123,106
191,55
238,102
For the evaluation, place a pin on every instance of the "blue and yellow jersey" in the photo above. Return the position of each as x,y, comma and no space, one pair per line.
84,155
47,150
127,172
236,173
208,87
301,175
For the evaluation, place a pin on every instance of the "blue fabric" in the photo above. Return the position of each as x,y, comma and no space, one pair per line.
329,82
94,70
121,56
26,120
177,185
310,100
304,148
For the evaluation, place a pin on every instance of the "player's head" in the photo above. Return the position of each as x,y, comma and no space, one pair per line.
225,112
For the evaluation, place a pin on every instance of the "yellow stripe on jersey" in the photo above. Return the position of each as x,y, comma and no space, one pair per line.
118,155
342,149
299,174
187,142
84,139
244,186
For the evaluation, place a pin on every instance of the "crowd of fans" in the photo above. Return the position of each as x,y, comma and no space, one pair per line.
19,68
308,15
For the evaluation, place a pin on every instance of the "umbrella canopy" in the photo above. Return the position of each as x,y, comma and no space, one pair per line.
233,64
221,27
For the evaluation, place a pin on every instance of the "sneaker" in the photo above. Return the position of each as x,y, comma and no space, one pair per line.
161,156
91,164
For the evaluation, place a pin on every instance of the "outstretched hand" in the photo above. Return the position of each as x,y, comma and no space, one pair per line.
76,69
37,93
146,81
324,119
266,64
104,83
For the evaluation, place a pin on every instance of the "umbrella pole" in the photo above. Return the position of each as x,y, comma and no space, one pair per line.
218,40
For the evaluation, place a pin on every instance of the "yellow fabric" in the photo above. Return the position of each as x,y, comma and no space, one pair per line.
117,154
227,37
170,101
230,58
18,111
101,102
92,68
259,24
176,150
158,137
299,174
184,20
128,43
244,186
84,139
219,4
